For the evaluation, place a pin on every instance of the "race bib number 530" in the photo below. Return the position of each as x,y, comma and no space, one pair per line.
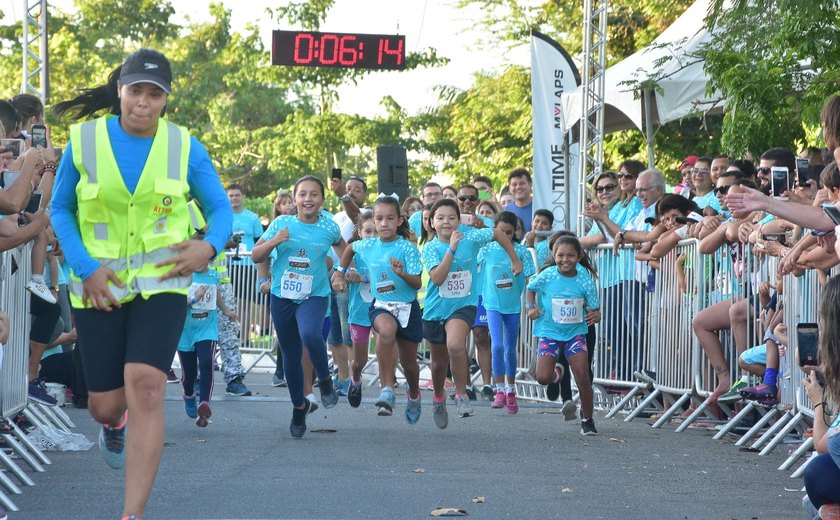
567,310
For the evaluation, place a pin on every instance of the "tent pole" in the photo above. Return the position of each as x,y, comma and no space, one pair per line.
567,199
646,95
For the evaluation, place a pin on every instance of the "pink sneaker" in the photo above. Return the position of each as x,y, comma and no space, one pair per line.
449,386
512,406
500,401
428,385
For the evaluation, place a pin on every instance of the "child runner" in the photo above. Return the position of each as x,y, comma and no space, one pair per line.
394,267
450,301
197,346
569,301
502,292
300,291
358,280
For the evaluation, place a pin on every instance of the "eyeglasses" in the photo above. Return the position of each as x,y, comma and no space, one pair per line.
465,198
607,188
722,190
415,207
626,176
701,171
765,170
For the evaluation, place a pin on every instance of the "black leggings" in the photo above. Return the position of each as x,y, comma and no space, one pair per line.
199,359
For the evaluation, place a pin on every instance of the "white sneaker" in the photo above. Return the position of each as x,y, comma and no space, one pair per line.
40,290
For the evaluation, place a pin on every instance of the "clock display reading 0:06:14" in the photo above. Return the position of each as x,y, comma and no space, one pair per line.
346,50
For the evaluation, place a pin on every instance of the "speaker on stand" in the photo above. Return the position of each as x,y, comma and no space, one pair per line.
392,170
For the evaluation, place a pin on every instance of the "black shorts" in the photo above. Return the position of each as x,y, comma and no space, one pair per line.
413,331
141,331
435,331
45,318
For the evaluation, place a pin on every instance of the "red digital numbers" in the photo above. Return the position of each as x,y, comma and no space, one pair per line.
316,49
385,51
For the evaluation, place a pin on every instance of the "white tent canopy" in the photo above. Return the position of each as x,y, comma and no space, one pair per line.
672,62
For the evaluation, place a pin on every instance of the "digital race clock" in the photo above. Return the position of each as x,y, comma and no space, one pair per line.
327,49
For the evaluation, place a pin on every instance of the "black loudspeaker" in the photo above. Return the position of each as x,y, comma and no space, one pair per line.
392,170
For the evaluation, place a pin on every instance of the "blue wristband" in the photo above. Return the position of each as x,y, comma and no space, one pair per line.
530,305
452,251
262,280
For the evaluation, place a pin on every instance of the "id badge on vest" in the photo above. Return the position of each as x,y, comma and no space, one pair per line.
399,310
295,286
567,311
364,292
456,285
207,302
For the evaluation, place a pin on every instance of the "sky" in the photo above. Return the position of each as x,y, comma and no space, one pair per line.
425,23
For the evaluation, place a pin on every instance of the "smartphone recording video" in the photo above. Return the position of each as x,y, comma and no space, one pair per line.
12,145
39,136
832,212
807,336
779,182
336,173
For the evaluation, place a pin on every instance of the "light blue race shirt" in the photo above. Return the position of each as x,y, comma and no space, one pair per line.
360,296
300,270
385,285
564,302
709,199
248,223
415,222
459,289
542,252
501,290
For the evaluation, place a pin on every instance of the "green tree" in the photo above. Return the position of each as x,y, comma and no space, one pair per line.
775,63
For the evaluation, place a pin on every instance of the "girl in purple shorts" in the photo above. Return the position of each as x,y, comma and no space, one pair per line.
568,304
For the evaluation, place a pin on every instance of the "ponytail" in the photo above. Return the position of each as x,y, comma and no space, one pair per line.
92,100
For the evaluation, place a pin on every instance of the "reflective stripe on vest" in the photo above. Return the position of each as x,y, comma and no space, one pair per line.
130,233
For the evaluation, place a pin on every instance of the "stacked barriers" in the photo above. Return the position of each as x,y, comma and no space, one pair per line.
14,299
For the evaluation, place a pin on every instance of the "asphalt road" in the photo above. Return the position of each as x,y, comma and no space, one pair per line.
353,464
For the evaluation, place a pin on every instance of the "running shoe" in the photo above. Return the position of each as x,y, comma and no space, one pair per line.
171,378
587,427
471,393
40,290
277,380
465,409
511,406
440,414
830,512
760,392
428,385
341,386
487,392
569,410
412,410
552,390
237,388
500,401
190,406
298,426
313,404
112,445
354,394
204,414
38,393
734,391
328,396
448,386
385,402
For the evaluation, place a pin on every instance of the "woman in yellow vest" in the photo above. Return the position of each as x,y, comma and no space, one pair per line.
120,211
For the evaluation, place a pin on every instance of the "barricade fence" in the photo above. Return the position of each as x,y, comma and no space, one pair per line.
647,353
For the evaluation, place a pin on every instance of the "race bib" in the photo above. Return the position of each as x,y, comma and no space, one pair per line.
399,310
295,286
364,292
456,285
567,311
208,301
504,283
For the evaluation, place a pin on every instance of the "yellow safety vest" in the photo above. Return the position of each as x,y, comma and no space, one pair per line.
131,233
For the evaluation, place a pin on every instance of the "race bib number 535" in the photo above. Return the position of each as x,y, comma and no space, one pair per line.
456,285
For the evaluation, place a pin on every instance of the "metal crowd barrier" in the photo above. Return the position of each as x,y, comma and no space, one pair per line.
15,271
256,331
